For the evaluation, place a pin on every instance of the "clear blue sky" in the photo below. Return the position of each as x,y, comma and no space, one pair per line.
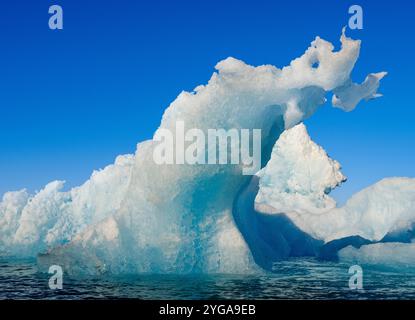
71,100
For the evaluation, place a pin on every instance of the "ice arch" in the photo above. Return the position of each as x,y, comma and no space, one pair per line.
145,217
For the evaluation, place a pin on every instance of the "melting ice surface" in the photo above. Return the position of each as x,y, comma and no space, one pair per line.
137,216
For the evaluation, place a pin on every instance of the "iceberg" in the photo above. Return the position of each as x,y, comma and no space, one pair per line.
30,224
287,212
390,255
298,178
137,216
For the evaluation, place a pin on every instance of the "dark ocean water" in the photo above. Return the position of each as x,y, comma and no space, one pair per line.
295,279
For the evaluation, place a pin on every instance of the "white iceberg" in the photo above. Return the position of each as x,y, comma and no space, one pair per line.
138,216
32,224
390,255
298,178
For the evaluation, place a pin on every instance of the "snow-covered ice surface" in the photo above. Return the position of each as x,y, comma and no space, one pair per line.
139,216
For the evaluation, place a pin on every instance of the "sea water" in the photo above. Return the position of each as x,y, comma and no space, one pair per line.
292,279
